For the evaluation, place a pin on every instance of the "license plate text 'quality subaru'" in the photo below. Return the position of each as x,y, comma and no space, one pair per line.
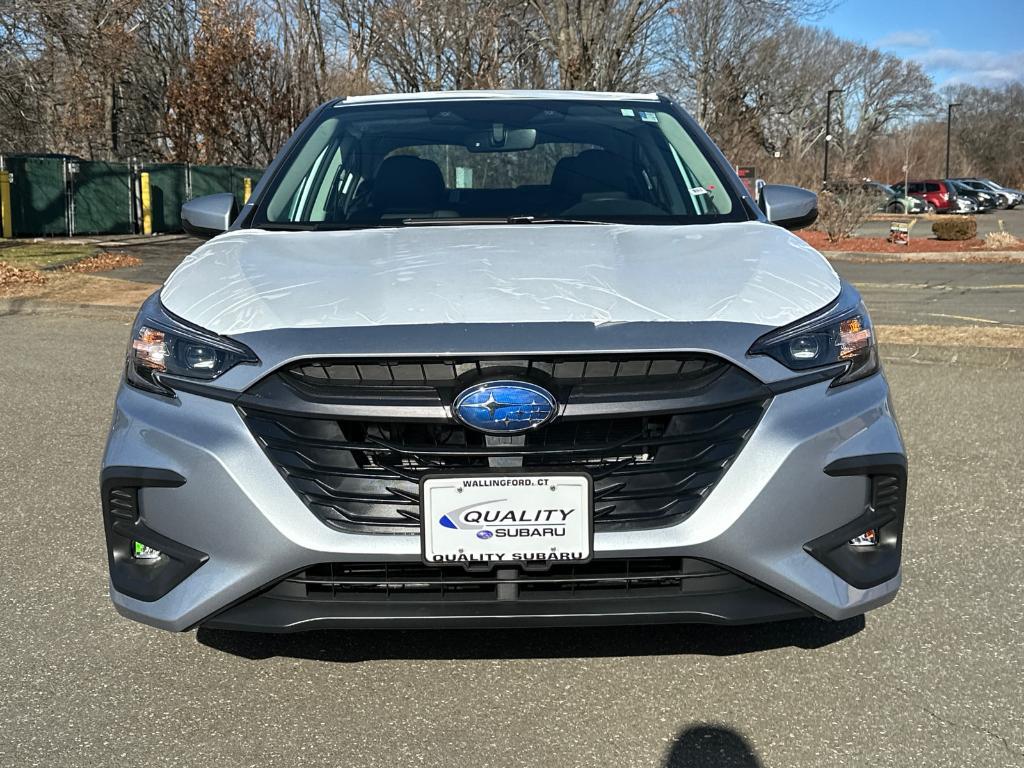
514,518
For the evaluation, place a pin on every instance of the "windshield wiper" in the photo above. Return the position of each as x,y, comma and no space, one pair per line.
454,220
332,226
308,226
553,220
283,226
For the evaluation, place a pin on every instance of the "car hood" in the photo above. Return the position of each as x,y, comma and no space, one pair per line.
254,280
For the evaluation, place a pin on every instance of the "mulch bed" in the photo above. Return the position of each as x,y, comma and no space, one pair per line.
916,245
103,262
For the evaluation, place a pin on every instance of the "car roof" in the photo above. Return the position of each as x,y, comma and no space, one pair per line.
381,98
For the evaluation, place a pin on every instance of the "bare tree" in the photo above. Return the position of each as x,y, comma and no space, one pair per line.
765,103
414,45
599,44
988,135
712,43
69,58
301,52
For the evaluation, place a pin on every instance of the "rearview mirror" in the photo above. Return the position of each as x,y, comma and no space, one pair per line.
789,207
502,139
209,215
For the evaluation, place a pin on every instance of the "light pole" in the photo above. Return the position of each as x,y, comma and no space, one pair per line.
949,131
828,129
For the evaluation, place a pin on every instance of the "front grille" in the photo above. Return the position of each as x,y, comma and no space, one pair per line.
441,373
596,580
654,444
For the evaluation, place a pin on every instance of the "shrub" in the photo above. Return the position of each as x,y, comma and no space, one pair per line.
841,212
956,228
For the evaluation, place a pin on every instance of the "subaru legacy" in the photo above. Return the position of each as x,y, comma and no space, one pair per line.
506,359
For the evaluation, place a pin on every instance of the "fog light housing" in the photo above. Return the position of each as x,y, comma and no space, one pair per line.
144,565
867,539
142,552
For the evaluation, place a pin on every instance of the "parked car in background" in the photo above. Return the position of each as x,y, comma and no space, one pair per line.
964,204
892,200
1006,197
928,207
938,192
885,198
985,200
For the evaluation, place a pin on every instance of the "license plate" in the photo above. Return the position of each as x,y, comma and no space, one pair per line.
506,518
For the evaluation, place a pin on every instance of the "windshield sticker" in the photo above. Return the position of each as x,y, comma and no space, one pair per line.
698,191
649,117
628,113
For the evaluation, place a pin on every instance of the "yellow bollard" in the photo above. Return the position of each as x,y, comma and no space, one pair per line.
246,189
147,204
7,229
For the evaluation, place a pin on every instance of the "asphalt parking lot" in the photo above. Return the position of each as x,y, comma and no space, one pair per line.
939,294
931,680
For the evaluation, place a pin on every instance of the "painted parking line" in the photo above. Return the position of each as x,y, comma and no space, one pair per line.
964,317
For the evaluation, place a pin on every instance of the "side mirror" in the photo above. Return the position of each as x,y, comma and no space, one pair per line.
789,207
209,215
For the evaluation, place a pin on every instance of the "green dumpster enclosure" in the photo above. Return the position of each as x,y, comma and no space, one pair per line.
101,198
168,189
62,195
39,203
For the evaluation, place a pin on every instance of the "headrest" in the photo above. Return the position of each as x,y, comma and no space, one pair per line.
406,183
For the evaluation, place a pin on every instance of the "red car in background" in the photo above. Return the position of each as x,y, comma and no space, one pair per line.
938,193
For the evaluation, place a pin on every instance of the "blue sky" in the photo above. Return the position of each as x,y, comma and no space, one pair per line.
980,42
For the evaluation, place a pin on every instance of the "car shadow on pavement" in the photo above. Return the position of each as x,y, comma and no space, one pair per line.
711,746
367,645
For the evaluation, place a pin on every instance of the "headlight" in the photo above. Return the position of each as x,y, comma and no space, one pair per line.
839,335
163,344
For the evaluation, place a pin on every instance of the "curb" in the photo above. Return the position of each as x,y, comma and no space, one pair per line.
979,357
929,257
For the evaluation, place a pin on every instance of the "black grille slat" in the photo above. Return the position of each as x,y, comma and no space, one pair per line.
124,503
599,579
446,373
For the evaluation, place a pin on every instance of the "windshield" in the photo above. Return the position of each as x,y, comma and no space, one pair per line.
496,160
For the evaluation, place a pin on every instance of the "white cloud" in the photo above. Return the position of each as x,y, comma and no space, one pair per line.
909,38
973,67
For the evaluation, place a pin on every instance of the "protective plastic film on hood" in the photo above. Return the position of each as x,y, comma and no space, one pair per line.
254,280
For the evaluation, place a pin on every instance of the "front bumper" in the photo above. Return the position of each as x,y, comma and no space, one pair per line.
754,529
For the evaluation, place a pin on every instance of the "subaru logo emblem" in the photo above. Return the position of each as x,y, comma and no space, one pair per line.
504,407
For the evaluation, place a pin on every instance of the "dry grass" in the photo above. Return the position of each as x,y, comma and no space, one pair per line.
25,274
71,288
996,336
45,253
1001,239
